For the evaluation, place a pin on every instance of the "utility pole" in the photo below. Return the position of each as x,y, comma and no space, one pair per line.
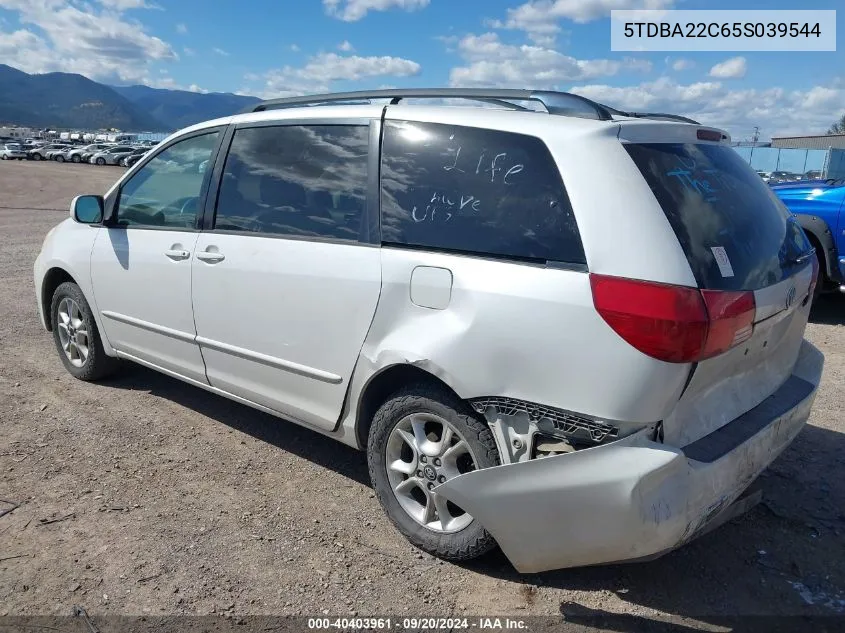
756,136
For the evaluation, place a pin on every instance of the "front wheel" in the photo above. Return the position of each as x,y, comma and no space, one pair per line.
60,159
420,438
101,161
76,336
36,157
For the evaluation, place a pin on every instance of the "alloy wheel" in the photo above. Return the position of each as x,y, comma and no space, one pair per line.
423,451
73,333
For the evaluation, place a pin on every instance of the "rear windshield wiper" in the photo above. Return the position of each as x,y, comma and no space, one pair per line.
800,259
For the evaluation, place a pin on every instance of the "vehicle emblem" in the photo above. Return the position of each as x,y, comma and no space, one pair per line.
790,297
430,473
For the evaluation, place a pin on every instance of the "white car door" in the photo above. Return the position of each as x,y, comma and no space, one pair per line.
286,283
141,261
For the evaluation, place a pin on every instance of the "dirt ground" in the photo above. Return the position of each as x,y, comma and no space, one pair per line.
143,495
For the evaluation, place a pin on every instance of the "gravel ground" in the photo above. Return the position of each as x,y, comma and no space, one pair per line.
143,495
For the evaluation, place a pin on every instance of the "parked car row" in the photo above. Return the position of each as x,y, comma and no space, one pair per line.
775,177
12,151
124,155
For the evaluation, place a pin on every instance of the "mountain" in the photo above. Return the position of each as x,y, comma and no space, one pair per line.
63,100
67,100
180,108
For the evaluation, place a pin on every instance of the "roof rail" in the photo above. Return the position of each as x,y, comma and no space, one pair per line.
562,103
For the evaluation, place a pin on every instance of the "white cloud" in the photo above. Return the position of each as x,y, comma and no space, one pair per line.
190,52
540,18
295,48
327,67
99,43
181,29
321,70
775,110
680,64
819,97
490,62
734,68
346,46
169,83
220,52
354,10
123,5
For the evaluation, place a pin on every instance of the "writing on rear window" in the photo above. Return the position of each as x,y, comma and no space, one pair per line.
475,191
734,231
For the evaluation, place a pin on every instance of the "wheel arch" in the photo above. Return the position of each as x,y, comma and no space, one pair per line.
53,278
821,237
381,385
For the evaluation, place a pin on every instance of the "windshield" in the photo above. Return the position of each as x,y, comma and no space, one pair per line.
735,232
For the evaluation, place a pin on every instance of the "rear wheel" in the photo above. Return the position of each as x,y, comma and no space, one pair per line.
421,437
101,161
76,336
37,157
60,159
75,158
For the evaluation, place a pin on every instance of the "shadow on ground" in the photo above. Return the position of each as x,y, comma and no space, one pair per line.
829,309
310,445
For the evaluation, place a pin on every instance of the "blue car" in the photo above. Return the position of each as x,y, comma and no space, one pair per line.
818,207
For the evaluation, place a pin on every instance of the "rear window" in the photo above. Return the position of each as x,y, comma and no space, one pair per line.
477,191
735,232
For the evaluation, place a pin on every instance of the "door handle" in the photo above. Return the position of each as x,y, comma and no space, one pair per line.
176,254
210,257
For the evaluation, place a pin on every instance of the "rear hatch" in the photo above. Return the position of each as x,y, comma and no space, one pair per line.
741,244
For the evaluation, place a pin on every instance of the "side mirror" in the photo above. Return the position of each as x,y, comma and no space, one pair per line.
87,209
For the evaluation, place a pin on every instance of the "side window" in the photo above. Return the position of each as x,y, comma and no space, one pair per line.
298,180
474,190
165,191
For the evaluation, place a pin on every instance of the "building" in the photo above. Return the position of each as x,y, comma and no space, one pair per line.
19,132
825,141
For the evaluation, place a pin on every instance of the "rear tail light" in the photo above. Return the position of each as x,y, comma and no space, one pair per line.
676,324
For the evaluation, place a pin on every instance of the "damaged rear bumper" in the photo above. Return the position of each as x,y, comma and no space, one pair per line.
633,498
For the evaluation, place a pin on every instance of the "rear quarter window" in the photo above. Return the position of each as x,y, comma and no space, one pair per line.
477,191
735,232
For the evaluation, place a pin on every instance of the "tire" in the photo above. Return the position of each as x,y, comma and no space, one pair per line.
60,159
37,157
96,364
75,158
432,402
101,161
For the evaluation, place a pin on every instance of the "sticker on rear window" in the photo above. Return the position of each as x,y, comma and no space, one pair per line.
722,261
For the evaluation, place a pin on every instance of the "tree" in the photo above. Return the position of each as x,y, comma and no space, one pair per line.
838,127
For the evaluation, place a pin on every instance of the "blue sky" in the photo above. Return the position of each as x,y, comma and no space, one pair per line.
281,47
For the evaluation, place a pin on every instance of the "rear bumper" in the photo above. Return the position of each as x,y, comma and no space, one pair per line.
633,498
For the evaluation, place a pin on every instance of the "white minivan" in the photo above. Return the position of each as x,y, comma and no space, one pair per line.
570,331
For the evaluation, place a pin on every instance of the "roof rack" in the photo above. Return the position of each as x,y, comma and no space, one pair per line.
562,103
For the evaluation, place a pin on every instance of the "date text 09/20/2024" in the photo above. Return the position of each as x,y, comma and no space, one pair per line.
415,624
